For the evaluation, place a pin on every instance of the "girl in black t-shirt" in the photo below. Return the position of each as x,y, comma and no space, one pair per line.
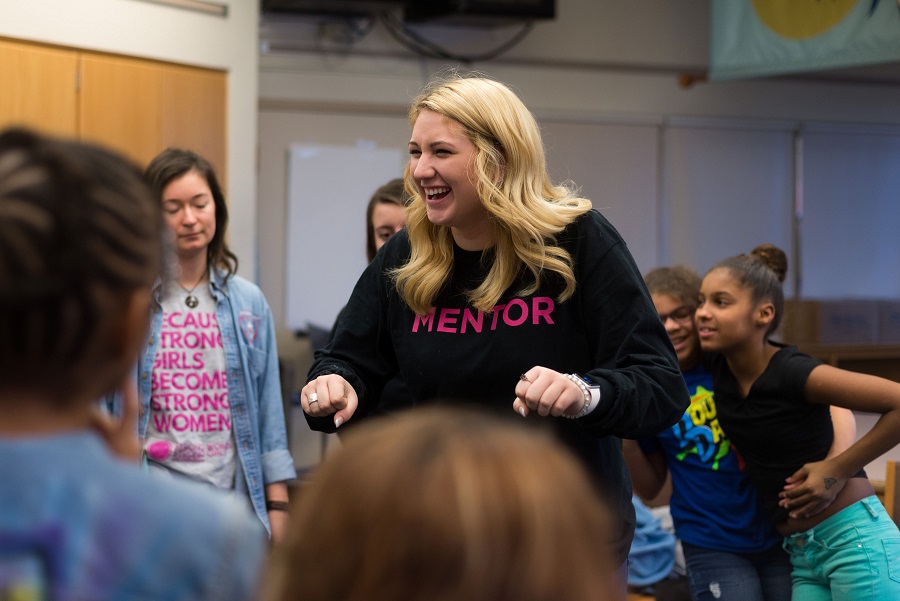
773,403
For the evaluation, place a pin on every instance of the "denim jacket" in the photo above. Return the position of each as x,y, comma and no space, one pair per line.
254,387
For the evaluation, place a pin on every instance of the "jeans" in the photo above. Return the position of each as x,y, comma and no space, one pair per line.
853,555
728,576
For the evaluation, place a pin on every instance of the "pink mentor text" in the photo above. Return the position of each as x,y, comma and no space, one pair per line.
513,314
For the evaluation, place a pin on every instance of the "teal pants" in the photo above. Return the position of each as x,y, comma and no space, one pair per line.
854,555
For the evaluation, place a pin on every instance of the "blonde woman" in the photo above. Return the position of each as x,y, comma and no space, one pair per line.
504,290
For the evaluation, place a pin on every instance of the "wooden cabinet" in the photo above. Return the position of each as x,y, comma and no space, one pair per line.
38,87
193,113
136,106
877,359
120,105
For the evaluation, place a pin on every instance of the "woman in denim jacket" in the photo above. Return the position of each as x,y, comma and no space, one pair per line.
211,405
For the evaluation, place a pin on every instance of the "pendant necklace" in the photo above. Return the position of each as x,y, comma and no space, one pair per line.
190,300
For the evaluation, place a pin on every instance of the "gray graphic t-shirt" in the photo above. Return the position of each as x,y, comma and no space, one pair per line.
190,429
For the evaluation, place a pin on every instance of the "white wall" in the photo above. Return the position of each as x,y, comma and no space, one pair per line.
154,31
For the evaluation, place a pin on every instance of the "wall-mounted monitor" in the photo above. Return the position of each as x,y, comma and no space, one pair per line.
335,7
478,12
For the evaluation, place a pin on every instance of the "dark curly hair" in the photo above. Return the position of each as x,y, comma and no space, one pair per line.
80,234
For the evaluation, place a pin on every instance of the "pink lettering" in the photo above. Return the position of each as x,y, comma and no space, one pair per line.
182,422
162,422
542,307
447,321
217,449
207,402
523,308
179,320
426,320
202,339
171,340
189,381
470,318
192,402
495,312
515,313
178,360
187,422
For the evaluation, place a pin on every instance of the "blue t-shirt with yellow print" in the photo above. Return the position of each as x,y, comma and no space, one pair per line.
713,504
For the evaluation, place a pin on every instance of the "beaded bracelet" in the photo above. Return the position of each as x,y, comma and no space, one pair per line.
584,391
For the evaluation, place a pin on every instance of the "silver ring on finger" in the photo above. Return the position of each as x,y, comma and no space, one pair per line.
313,398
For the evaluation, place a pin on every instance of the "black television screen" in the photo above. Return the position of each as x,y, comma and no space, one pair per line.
478,11
331,6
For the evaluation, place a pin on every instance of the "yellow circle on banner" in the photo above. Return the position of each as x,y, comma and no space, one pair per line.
801,19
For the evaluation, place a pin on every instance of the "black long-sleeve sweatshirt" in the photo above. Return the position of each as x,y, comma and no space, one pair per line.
608,331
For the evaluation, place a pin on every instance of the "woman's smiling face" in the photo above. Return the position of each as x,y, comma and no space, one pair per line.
442,162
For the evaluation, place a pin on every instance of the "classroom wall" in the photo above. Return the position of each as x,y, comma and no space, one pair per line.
154,31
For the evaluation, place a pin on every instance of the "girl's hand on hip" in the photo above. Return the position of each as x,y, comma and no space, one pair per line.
811,489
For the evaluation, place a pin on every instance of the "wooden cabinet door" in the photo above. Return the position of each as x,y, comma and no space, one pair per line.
38,87
138,107
121,105
193,113
141,107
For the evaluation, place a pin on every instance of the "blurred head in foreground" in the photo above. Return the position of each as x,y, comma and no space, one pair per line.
444,504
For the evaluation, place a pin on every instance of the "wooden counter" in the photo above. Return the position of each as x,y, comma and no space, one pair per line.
876,359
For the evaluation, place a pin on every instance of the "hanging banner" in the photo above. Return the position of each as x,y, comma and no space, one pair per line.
750,38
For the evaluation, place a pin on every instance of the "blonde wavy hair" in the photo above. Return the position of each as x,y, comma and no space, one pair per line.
526,209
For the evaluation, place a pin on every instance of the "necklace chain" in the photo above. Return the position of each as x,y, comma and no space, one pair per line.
190,300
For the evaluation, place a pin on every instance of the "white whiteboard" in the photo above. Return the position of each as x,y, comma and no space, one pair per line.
328,190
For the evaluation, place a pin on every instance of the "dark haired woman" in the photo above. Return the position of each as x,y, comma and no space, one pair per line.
209,383
385,215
